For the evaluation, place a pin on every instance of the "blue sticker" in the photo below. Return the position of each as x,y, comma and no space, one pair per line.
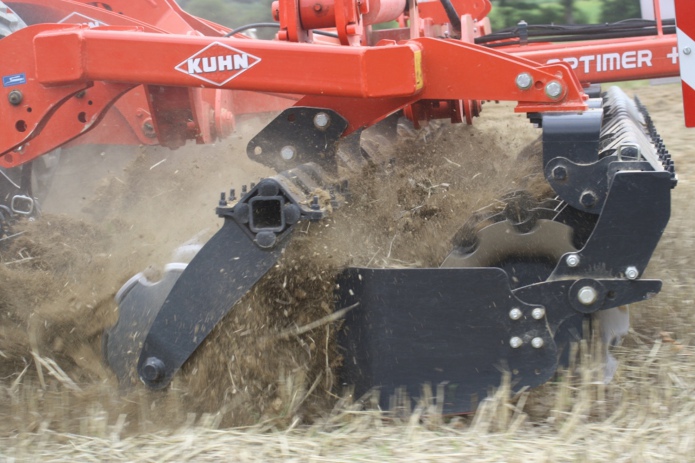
14,79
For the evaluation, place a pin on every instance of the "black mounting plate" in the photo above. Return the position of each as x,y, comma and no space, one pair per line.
439,326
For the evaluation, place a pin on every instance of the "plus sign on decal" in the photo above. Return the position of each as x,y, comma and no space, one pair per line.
673,55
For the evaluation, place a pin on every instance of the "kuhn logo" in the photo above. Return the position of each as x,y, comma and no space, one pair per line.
77,18
217,63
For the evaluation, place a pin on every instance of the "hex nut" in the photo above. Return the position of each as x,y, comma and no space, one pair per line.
631,273
322,120
572,260
553,89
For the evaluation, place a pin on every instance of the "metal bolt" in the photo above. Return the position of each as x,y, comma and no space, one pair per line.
631,273
553,89
537,342
153,369
587,295
524,81
321,120
15,97
515,342
538,313
515,314
560,173
572,260
588,199
288,152
687,51
265,239
148,129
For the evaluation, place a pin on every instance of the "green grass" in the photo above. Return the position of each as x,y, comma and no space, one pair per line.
591,9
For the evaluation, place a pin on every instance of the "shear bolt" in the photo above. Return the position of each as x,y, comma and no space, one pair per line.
538,313
631,273
515,314
553,89
587,295
515,342
524,81
537,343
288,152
321,120
572,260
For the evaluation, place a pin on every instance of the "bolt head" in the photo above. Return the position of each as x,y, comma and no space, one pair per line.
288,152
687,51
631,273
265,239
572,260
560,173
515,314
537,343
524,81
153,369
15,97
553,89
588,199
538,313
515,342
322,120
587,295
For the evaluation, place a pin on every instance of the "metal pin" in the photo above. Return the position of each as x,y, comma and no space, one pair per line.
587,295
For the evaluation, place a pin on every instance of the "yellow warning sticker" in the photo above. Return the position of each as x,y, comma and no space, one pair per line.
418,70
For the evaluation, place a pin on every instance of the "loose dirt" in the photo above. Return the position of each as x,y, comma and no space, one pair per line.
113,213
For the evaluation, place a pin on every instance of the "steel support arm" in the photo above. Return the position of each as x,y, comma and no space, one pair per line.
342,77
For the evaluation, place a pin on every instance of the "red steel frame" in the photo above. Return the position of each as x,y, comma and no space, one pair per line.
148,68
686,43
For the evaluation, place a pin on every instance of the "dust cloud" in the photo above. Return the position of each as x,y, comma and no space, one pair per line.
115,211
